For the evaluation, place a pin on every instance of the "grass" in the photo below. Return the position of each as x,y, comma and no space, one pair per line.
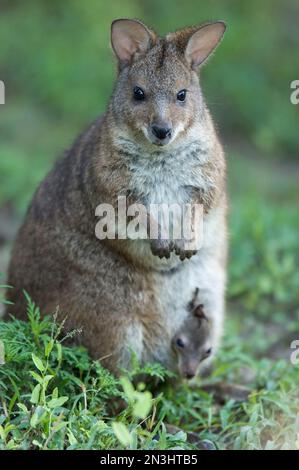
55,397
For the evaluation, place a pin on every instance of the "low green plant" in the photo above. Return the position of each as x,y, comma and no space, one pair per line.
53,396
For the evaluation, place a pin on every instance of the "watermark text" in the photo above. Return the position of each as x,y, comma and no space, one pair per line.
2,92
153,222
295,94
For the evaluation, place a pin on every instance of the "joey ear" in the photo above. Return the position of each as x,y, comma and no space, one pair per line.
203,42
199,312
129,37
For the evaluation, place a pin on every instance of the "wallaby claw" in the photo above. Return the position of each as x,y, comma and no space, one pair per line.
164,248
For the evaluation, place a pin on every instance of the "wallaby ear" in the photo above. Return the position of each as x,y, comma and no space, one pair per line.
129,37
203,42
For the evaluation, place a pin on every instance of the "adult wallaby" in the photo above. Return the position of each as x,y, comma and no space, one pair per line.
155,144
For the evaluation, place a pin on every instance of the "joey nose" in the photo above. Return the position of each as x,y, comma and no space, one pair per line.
161,132
189,375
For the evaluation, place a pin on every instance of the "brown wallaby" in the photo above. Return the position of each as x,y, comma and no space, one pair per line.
155,144
191,342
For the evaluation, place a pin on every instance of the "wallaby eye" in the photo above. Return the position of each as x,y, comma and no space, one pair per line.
181,96
138,93
180,343
208,351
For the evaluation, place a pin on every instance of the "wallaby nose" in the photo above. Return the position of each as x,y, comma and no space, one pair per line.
161,132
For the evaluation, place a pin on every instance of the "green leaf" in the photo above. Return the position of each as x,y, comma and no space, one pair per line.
36,376
38,363
2,433
11,445
34,419
143,405
122,434
71,437
49,347
58,426
22,407
37,416
37,444
35,394
46,380
57,402
59,352
127,388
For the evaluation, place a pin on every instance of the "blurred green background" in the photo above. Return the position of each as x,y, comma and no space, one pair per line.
58,68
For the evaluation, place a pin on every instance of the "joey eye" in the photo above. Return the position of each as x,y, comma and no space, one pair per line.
180,343
138,94
181,96
208,351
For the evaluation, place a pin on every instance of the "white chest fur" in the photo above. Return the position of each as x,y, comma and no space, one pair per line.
159,178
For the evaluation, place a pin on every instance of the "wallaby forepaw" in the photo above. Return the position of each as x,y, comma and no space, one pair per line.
162,248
